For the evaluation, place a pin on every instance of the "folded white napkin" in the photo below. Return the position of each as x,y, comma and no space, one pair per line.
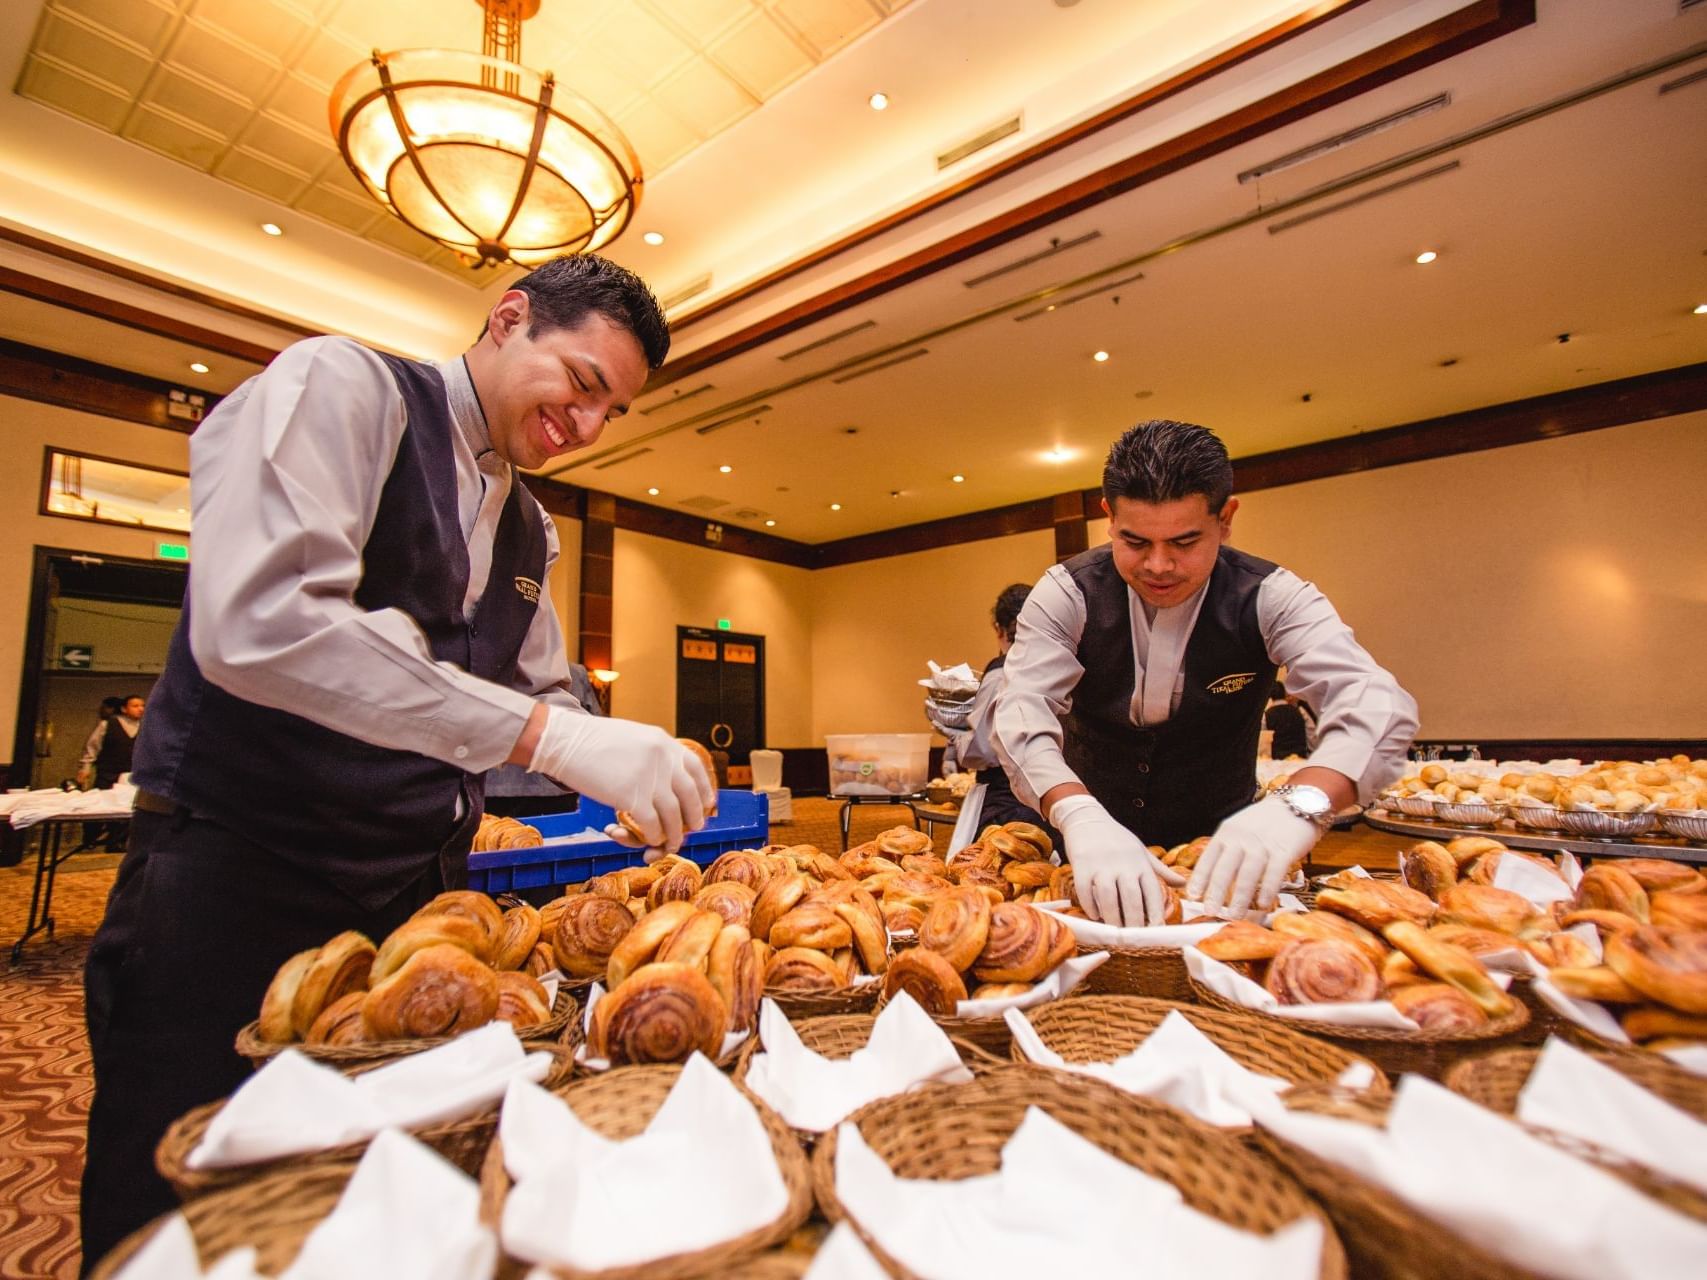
1197,925
170,1254
1541,886
1512,1194
1224,980
999,1224
814,1093
1052,986
1570,1092
1585,1013
585,1201
294,1104
1691,1057
843,1256
583,1056
956,679
406,1212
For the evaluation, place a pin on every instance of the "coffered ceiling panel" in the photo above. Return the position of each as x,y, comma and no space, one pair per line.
239,88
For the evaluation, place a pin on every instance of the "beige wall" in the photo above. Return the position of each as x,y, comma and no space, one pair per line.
565,583
660,584
875,625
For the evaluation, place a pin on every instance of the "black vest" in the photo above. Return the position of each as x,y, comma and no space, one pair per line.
113,758
368,819
1000,802
1175,781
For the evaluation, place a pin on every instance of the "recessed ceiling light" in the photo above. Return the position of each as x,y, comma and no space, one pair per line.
1057,454
1100,357
878,101
196,366
1701,310
1426,256
653,237
653,492
272,228
770,524
958,479
726,468
835,506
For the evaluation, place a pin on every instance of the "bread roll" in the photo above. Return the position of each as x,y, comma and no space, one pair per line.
1437,1006
518,937
420,932
640,944
737,975
441,990
739,866
928,978
1022,945
690,941
1312,972
956,927
276,1005
802,969
521,1000
662,1013
340,967
1666,965
588,929
468,904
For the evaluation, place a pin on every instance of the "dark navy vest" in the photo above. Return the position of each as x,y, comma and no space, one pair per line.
1175,781
368,819
115,755
1000,802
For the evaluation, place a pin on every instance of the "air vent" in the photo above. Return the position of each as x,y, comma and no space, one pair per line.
886,364
746,513
1317,149
1055,247
989,138
703,502
1275,228
1097,292
663,406
688,291
608,463
732,419
827,339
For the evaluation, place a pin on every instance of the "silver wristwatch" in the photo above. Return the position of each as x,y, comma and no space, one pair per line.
1309,803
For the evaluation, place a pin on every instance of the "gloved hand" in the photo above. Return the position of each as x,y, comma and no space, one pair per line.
634,768
1249,856
1115,875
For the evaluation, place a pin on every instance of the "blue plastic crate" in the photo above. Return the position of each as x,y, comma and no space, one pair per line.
743,821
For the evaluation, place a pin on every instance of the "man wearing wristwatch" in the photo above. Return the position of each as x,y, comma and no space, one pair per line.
1137,682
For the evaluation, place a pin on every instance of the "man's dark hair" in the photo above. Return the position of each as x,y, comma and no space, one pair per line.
565,291
111,707
130,698
1005,613
1277,692
1163,461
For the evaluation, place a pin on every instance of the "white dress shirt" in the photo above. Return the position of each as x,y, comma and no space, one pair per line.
287,474
1365,720
974,746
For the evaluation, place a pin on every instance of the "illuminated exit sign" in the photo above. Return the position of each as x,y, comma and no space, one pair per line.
172,551
723,624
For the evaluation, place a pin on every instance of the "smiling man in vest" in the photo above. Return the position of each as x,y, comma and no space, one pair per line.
366,631
1137,682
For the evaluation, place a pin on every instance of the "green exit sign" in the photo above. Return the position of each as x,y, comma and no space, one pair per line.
172,551
723,624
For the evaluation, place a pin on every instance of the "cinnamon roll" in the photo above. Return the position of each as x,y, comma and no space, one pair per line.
517,936
1608,888
928,978
521,1000
957,926
728,898
1325,925
924,864
280,998
776,900
898,842
427,931
588,930
802,969
678,884
662,1013
1312,972
915,887
339,967
737,975
739,866
340,1023
1666,965
1021,946
902,917
469,905
1438,1006
440,991
639,946
541,960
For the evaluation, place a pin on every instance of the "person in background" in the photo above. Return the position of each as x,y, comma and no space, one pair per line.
1137,683
106,758
1287,721
92,747
969,734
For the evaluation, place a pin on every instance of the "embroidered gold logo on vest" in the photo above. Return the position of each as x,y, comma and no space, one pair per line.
528,589
1232,683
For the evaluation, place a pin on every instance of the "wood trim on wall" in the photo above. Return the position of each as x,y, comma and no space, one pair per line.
598,551
1072,534
1473,25
679,526
47,377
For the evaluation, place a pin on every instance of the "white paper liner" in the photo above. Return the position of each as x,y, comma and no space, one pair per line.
1052,986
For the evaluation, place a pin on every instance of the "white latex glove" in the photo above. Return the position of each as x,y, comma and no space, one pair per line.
634,768
1114,874
1249,856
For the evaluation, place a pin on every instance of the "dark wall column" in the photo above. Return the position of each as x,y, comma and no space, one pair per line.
598,547
1071,533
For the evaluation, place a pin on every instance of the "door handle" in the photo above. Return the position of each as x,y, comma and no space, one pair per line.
728,736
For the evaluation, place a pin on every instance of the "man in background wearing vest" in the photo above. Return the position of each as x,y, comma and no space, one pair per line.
366,631
1137,682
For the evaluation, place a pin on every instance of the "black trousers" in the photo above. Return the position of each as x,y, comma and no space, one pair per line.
198,922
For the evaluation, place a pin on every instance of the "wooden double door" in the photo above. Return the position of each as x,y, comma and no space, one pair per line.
720,690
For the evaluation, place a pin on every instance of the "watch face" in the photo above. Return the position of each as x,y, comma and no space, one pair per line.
1311,800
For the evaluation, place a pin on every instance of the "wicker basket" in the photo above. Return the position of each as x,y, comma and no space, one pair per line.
563,1025
1103,1028
1384,1237
1157,972
619,1104
1396,1051
826,1004
274,1212
958,1131
462,1142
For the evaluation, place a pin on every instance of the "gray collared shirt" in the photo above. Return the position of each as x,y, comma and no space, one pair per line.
286,477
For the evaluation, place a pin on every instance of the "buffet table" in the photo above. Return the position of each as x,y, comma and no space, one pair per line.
53,812
1517,837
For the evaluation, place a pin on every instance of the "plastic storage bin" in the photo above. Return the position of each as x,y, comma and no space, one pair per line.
742,822
878,764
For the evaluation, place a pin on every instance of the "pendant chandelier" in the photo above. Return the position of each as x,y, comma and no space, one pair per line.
494,161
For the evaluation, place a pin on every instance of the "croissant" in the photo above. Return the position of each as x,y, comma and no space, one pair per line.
739,866
690,941
1450,964
1375,904
1436,1006
541,960
1657,875
339,967
1650,1022
811,924
1608,888
588,930
1242,940
898,842
776,900
662,1013
1595,982
1486,907
1429,869
521,1000
420,932
1667,965
440,991
737,974
1679,909
864,919
1000,990
802,969
517,937
276,1004
469,905
730,899
928,978
1325,925
957,926
1312,972
678,884
340,1023
640,944
1023,945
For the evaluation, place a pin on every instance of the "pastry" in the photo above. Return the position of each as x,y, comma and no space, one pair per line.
1061,887
517,937
1173,912
924,864
612,885
663,1013
698,752
469,905
1659,875
737,973
1477,941
1324,924
1466,849
678,884
928,978
1486,867
1429,869
427,931
915,887
739,866
521,1000
957,926
340,1023
898,842
1650,1022
1012,847
902,917
690,941
821,866
1375,904
811,924
803,969
552,911
1028,875
1033,835
1307,971
1606,921
865,922
1608,888
1666,965
1242,940
1450,964
1023,944
775,900
640,944
1486,907
1564,951
276,1004
1679,909
1399,970
730,899
339,967
1437,1006
1000,991
541,960
440,990
1597,982
588,930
